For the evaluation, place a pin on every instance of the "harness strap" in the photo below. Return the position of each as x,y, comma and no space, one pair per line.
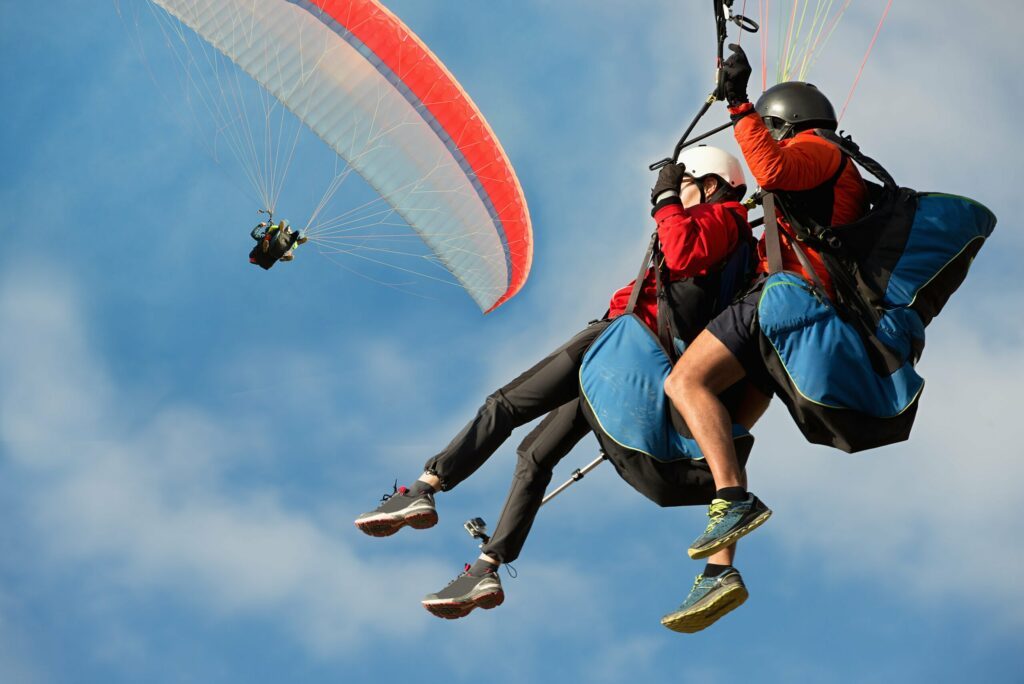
816,204
806,263
773,248
651,260
773,245
843,161
852,149
639,282
664,312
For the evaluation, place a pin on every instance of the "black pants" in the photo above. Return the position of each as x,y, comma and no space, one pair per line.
549,387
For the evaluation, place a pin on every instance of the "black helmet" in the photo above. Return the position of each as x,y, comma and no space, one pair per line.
795,106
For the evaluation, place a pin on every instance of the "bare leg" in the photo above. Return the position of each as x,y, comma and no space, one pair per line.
727,555
752,406
712,596
706,369
723,557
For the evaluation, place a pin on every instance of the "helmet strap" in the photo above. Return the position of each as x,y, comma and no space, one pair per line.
785,132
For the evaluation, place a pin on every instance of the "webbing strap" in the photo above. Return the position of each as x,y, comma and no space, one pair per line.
639,282
773,248
773,244
806,263
853,150
664,311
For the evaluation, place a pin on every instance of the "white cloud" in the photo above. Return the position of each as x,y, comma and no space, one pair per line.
17,661
926,516
154,505
153,502
617,662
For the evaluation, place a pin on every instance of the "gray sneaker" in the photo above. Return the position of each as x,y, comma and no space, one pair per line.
464,593
398,510
709,599
729,520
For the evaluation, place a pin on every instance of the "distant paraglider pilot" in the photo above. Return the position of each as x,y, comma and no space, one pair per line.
274,242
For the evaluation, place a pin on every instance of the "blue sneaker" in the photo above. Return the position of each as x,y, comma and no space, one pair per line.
730,520
709,599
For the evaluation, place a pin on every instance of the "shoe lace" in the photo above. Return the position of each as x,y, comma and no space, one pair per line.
716,511
466,567
465,571
696,582
397,491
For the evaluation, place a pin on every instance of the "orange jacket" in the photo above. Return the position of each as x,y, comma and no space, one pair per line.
802,162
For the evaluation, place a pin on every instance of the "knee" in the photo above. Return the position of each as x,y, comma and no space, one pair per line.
683,379
674,383
496,403
530,470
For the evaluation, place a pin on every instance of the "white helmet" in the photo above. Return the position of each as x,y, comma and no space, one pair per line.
704,160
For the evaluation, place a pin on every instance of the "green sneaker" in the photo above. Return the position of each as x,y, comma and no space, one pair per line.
730,520
709,599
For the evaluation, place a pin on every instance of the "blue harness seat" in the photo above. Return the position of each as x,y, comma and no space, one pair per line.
847,380
622,377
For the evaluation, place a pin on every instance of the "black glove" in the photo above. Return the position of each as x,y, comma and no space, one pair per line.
669,179
735,76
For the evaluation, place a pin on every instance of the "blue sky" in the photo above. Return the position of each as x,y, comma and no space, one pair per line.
174,509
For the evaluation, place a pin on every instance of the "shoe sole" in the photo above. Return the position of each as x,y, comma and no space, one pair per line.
707,615
386,526
452,610
731,538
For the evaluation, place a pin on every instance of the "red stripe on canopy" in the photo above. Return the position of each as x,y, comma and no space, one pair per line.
432,84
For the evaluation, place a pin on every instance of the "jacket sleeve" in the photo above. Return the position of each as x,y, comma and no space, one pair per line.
697,239
804,162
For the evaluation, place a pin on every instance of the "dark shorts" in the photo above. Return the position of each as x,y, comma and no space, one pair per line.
737,329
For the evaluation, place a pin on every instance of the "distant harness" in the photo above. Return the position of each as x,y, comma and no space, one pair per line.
272,242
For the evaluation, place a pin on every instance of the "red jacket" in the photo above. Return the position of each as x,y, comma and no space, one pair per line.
802,162
694,241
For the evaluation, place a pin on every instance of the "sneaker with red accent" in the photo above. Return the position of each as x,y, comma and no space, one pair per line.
397,510
464,593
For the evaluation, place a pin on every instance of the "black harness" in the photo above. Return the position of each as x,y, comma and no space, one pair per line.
266,253
843,247
685,305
